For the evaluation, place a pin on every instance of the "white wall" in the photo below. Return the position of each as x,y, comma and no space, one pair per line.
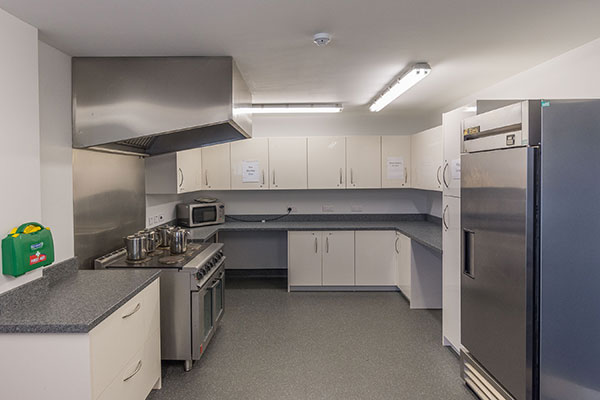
569,76
19,132
56,154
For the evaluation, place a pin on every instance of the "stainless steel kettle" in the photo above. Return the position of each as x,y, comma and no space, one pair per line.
179,240
136,246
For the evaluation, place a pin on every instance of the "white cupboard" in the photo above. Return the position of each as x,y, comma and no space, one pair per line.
287,163
305,258
404,263
451,271
326,162
363,162
452,138
216,165
427,158
174,173
338,258
252,157
395,161
375,258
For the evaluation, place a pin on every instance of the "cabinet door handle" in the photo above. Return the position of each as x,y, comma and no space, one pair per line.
263,176
273,177
341,176
138,367
351,176
444,217
438,175
327,244
136,309
405,176
181,172
316,245
396,245
206,177
444,175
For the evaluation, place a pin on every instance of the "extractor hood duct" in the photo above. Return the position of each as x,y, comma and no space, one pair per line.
155,105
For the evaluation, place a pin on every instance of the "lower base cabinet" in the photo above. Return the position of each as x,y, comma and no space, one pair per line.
118,360
404,254
338,258
375,258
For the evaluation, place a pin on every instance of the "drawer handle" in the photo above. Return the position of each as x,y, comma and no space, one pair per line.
136,309
138,367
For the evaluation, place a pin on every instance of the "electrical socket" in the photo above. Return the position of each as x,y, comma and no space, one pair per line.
292,209
327,208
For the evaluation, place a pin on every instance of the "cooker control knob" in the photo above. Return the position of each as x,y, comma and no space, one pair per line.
200,274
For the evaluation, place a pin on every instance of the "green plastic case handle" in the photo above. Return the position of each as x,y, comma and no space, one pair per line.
22,227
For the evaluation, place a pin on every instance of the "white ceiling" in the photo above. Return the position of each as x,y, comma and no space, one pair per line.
470,44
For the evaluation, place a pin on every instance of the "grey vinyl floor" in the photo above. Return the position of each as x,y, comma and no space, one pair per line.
318,345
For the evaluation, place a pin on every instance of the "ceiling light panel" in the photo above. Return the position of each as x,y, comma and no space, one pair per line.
413,76
312,108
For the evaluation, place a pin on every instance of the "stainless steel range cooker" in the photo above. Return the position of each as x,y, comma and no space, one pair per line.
192,295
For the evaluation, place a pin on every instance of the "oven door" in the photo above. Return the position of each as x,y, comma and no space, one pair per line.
202,320
218,290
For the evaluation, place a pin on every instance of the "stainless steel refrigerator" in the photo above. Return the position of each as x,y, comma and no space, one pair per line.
530,288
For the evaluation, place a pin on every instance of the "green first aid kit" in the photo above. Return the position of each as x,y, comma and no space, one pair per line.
26,248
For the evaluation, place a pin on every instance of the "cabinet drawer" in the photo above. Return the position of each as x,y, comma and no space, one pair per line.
115,341
140,374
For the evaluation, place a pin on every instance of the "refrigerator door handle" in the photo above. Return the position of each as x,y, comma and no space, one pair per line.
469,253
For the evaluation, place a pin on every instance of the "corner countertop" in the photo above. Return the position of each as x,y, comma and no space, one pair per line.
425,232
75,304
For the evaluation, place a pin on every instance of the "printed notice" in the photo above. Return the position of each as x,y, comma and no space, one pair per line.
395,168
455,168
250,171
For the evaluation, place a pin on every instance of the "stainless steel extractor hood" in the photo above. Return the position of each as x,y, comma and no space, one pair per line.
155,105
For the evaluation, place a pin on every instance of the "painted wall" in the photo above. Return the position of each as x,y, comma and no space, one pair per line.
19,132
56,154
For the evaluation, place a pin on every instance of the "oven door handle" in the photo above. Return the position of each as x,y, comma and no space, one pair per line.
215,284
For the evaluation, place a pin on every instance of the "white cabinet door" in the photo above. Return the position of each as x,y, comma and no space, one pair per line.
338,258
216,167
189,170
326,162
287,163
404,258
375,258
304,258
427,158
452,134
250,164
451,271
395,161
363,161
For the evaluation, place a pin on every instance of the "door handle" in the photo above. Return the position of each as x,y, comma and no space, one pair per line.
438,175
263,176
405,176
273,177
444,175
341,176
469,253
327,244
215,284
136,309
316,245
444,217
396,245
351,176
138,367
181,172
206,177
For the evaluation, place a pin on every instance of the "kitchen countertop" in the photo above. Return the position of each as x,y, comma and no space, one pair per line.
425,232
76,303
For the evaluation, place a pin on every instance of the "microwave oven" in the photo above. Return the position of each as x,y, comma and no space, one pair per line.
200,214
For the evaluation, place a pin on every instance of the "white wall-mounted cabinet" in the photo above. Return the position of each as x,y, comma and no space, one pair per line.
326,162
338,258
174,173
250,154
287,163
119,359
404,263
305,258
375,258
363,162
216,165
395,161
427,159
452,138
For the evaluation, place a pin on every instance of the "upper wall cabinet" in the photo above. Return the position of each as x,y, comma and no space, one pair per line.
215,167
174,173
395,161
287,163
326,162
452,128
363,161
427,157
250,164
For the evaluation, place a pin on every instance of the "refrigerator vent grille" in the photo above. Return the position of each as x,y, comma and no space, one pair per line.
480,382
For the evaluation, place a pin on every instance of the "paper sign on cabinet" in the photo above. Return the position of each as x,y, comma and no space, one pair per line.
250,171
395,168
455,168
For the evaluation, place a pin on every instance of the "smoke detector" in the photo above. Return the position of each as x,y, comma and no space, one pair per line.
322,39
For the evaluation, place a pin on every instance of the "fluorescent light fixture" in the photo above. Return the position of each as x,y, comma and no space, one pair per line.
306,108
400,85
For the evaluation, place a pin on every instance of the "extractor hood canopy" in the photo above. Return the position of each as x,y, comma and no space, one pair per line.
155,105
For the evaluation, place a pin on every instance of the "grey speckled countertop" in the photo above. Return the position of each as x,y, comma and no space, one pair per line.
421,230
74,304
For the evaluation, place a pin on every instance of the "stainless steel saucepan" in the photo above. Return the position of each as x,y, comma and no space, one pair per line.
179,240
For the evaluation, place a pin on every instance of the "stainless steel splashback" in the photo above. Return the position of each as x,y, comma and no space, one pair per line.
108,202
155,105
